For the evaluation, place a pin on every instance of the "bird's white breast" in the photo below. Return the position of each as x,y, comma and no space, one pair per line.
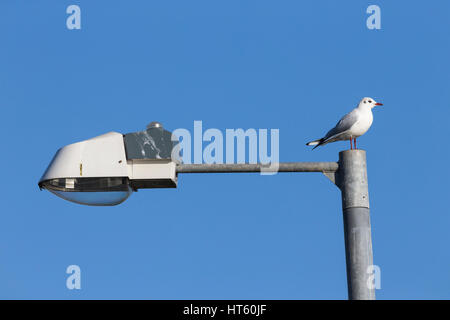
365,119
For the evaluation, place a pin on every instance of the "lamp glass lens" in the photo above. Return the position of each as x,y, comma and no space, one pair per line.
90,191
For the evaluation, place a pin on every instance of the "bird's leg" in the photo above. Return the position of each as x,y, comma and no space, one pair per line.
355,143
351,146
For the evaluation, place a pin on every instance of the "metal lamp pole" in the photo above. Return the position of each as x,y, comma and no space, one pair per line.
352,180
350,175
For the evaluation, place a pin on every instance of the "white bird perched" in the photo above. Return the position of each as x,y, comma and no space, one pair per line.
353,125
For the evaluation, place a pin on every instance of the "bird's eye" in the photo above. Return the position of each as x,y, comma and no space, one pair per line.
370,101
365,101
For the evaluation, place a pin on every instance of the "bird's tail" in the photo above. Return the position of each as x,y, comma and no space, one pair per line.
315,143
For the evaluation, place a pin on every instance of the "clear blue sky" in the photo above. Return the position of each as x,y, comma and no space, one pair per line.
296,66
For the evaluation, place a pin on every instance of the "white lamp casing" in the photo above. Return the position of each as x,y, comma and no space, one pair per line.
105,156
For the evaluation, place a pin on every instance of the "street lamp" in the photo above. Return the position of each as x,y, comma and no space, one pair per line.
106,169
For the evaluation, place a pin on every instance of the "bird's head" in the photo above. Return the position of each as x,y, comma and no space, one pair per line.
368,102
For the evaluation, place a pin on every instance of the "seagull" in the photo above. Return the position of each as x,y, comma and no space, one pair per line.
351,126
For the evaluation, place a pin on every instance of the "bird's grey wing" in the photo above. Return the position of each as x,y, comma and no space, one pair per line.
342,126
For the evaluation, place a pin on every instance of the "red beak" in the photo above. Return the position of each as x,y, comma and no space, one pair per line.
378,104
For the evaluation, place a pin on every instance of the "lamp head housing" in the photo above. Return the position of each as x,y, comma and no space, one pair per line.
106,169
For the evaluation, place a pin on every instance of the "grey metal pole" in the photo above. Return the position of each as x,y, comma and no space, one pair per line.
325,167
352,180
